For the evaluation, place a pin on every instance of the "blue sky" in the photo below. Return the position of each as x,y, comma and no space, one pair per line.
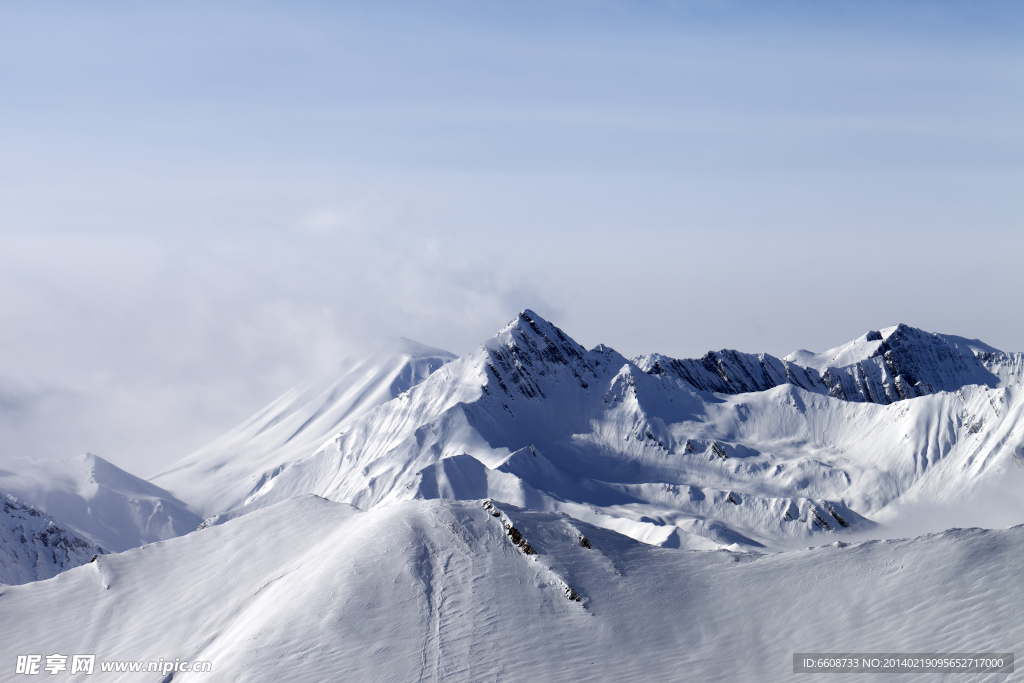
202,203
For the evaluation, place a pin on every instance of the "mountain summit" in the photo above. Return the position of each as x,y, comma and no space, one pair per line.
99,500
731,450
222,474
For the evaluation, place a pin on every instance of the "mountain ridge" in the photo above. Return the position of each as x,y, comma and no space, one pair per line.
220,475
532,386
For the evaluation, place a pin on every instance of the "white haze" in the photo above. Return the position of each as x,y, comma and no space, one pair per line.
201,207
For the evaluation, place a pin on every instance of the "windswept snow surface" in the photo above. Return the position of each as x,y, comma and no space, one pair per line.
35,546
99,500
534,419
312,590
219,476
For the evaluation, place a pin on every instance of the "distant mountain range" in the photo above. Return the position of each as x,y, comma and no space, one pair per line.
732,450
535,510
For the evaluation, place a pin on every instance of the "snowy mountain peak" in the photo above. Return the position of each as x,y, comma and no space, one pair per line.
35,546
222,474
415,349
903,340
100,500
540,339
900,362
731,448
862,348
607,356
530,348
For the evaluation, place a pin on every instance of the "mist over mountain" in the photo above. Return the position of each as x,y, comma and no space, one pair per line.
717,358
99,500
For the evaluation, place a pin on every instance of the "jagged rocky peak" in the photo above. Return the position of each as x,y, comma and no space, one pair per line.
530,348
608,357
901,341
729,371
901,362
881,366
540,338
35,546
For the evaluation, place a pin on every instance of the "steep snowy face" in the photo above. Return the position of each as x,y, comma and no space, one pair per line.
35,546
100,501
219,476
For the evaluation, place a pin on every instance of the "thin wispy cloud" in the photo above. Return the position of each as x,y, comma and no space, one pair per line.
202,205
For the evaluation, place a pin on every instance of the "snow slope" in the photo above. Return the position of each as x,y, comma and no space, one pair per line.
534,419
311,590
219,476
35,546
99,501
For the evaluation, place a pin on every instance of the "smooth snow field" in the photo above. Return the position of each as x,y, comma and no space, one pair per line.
312,590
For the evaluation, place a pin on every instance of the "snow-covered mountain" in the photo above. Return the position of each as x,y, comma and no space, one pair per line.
731,372
530,511
35,546
453,591
886,366
99,500
903,362
534,419
221,475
